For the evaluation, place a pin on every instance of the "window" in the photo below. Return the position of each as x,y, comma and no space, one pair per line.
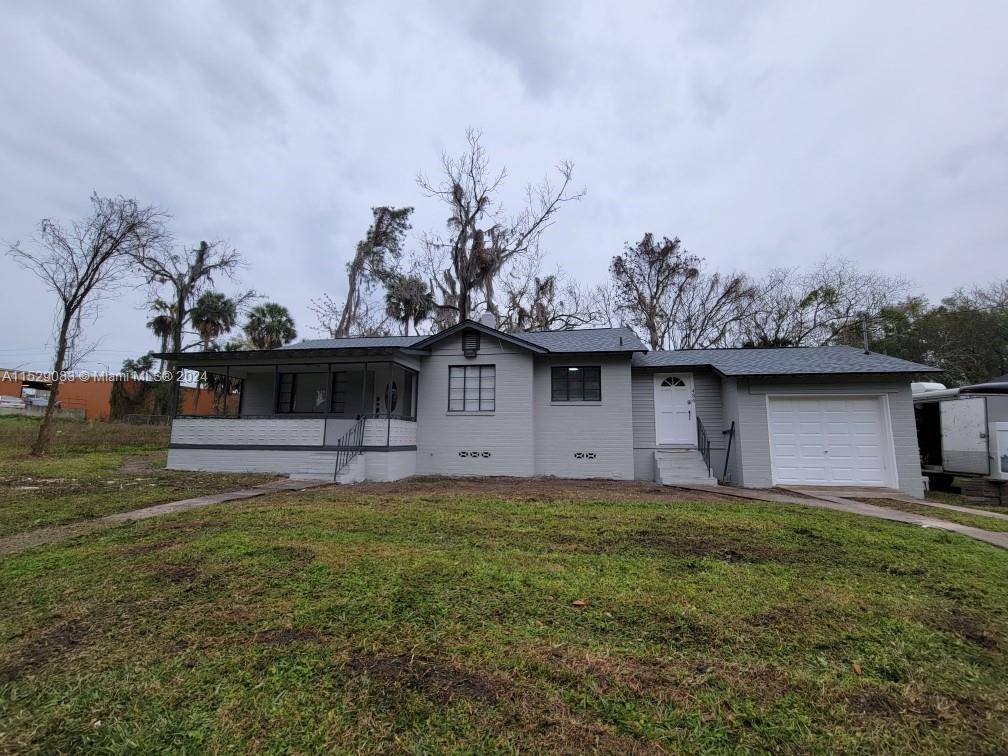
673,382
472,388
302,393
576,384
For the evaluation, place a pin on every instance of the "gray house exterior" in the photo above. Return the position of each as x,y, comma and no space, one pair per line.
590,403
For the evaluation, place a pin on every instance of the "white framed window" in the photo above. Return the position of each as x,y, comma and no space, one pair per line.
472,388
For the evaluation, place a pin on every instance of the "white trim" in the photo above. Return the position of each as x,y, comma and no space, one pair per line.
656,379
883,400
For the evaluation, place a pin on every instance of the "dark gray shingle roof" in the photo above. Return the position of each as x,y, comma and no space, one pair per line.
585,340
580,340
782,361
358,342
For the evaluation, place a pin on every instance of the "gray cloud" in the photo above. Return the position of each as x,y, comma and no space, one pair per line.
762,134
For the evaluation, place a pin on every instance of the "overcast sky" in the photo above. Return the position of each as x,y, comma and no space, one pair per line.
762,134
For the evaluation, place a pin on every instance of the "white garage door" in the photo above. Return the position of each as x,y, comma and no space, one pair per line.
830,441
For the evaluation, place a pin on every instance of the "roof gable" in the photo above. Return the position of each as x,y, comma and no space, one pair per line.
472,325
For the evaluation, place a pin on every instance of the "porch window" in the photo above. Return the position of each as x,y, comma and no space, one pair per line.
302,393
472,388
576,384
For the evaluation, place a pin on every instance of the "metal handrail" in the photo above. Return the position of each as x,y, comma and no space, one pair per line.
349,446
703,444
731,435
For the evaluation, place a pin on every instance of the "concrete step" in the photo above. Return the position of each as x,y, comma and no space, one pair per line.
682,467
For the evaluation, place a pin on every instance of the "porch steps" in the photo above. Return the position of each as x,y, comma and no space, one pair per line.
682,467
320,466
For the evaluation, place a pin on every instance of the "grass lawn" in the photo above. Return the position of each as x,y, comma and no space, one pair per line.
955,497
951,515
83,477
434,616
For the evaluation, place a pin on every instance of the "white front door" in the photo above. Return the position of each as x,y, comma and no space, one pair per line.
673,400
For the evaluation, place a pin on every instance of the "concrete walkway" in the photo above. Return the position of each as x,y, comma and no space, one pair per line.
824,500
19,542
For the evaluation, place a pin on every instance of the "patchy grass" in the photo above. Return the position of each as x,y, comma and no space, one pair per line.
950,515
94,469
405,618
955,496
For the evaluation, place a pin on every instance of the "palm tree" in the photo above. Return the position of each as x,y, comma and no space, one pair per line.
408,298
212,316
269,326
162,324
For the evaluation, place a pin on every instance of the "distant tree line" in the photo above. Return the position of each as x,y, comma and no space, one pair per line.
487,259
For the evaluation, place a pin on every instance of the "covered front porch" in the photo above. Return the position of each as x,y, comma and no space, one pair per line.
337,418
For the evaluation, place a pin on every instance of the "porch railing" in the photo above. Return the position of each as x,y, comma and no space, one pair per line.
703,444
731,437
349,446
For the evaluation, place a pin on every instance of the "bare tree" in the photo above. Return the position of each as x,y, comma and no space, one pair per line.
375,258
796,308
714,310
481,240
651,280
603,302
82,264
177,277
370,319
546,303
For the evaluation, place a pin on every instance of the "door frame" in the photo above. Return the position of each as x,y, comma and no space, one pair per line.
887,431
656,379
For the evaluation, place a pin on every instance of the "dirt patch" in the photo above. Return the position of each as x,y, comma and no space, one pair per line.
177,574
440,680
286,636
140,549
530,489
51,644
963,625
868,701
725,544
136,465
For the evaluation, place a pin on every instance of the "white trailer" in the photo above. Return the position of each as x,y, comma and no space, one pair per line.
963,433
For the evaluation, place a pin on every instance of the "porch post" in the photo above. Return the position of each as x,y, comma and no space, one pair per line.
363,392
276,389
227,389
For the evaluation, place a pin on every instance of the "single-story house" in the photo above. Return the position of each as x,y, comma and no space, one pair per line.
474,400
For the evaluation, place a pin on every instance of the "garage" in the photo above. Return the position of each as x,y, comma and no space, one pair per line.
830,441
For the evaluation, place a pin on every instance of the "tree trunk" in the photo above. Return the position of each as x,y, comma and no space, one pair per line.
44,437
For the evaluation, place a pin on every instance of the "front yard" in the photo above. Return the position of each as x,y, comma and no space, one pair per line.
506,615
93,469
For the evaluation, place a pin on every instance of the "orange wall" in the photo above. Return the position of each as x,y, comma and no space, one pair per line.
93,397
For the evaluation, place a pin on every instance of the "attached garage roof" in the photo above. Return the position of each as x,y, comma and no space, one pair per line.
782,361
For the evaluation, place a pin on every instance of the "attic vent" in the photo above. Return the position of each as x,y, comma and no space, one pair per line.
470,343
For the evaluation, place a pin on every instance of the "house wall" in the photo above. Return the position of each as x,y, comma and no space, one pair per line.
563,429
506,434
730,414
754,449
707,396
